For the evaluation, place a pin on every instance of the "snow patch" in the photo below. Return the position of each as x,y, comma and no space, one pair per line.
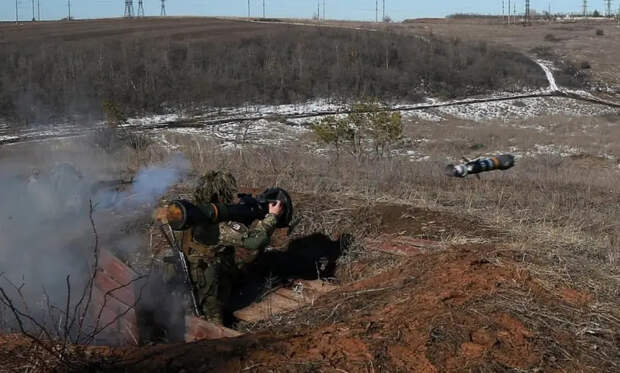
524,108
152,120
425,115
553,87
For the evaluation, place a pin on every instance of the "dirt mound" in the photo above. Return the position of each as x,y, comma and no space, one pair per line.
455,310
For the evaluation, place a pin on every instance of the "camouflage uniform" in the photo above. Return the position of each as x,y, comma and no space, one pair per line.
216,252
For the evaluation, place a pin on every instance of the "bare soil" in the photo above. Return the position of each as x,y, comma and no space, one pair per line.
449,310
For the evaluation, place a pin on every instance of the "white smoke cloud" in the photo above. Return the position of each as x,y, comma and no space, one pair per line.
45,230
152,182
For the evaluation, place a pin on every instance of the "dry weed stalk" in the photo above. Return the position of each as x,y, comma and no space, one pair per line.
57,337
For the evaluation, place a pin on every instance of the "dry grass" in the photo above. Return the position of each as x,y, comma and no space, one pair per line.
564,207
557,216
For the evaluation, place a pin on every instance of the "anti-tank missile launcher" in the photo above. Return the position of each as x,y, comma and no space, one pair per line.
182,214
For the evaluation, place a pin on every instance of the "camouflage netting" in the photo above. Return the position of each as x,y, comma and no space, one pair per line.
216,186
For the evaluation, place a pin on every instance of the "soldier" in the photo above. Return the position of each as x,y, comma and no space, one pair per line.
215,252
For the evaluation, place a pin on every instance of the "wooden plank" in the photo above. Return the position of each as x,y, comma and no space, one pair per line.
197,329
284,300
116,308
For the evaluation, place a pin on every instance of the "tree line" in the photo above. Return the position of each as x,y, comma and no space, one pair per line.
140,75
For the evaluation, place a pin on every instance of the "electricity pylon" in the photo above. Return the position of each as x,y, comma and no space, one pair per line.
128,8
140,9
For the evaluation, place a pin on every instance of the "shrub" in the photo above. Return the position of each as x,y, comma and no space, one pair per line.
551,37
599,32
368,124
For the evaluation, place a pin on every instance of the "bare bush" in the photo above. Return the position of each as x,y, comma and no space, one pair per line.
551,38
63,326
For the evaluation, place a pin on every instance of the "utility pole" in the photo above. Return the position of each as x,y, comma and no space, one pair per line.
39,10
383,11
323,10
376,10
318,10
69,7
608,12
163,8
16,11
508,11
263,8
585,8
33,19
248,8
140,8
526,16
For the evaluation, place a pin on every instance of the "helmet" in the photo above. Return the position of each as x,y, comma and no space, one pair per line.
215,186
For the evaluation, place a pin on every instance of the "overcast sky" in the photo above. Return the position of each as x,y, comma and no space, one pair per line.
334,9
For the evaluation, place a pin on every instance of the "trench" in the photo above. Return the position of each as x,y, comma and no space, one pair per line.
311,257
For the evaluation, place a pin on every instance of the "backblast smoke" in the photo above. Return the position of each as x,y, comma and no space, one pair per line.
47,238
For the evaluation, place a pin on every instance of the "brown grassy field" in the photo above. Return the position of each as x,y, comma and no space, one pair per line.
576,42
573,41
177,27
70,71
